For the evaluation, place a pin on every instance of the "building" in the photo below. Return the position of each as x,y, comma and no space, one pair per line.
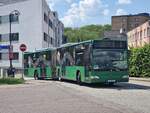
139,36
37,27
128,22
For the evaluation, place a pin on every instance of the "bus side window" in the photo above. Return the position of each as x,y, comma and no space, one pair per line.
86,56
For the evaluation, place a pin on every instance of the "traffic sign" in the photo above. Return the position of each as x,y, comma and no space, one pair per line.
23,47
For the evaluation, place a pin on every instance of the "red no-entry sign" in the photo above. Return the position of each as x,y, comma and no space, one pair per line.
23,47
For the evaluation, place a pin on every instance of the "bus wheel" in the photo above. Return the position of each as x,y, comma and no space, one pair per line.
59,78
58,74
78,77
36,75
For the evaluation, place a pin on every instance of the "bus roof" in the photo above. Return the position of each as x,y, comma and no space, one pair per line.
68,45
45,49
73,44
41,50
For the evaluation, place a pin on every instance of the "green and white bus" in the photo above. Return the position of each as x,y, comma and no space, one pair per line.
94,61
40,64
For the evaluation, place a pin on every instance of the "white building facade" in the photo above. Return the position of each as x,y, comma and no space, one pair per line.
37,27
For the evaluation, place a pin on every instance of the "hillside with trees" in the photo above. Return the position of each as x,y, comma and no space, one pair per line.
88,32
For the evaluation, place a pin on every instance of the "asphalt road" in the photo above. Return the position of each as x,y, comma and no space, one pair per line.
65,97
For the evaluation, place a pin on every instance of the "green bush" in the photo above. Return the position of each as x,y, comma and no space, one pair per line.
88,32
139,62
10,81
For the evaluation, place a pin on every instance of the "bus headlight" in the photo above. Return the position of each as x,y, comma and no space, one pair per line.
94,77
125,76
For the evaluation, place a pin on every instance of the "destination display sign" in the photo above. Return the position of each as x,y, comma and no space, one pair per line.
107,44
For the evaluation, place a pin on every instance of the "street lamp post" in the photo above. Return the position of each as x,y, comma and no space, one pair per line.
13,13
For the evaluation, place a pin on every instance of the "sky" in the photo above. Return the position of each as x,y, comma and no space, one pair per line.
77,13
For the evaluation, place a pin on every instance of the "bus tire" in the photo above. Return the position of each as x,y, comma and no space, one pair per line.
58,74
36,75
78,77
59,78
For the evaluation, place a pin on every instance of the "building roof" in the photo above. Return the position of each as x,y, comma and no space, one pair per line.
130,15
6,2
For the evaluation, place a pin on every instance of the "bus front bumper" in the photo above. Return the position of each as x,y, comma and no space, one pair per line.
108,78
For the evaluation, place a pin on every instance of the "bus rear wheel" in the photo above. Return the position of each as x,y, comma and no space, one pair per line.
78,77
58,74
36,77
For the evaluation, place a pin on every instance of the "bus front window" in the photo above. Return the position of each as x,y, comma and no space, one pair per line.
110,60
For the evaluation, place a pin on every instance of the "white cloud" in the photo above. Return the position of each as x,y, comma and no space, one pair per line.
69,1
80,12
124,1
52,3
121,12
106,12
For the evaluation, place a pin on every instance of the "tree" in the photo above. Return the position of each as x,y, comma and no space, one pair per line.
88,32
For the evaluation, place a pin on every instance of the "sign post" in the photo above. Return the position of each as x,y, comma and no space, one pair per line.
23,48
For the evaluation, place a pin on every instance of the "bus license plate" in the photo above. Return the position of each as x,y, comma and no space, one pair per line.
111,80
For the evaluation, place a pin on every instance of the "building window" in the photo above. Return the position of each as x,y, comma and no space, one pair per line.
45,18
5,37
124,30
131,25
123,25
148,32
123,20
51,40
14,18
136,19
144,32
0,38
136,25
0,56
140,35
5,19
50,23
15,37
16,56
5,56
45,37
0,19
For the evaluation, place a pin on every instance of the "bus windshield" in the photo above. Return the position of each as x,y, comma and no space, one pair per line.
115,60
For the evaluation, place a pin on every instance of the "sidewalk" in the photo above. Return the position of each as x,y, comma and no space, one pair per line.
28,78
25,78
140,79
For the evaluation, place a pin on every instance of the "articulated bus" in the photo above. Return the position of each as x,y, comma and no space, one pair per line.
40,64
94,61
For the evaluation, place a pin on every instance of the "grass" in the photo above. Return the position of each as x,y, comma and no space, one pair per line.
11,81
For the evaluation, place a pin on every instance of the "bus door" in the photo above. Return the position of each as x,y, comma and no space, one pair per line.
79,57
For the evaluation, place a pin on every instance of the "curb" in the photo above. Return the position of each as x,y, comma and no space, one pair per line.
140,79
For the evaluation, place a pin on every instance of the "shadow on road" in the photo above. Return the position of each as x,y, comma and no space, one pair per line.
121,86
118,86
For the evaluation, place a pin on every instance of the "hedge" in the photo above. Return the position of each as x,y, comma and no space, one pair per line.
11,81
139,62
